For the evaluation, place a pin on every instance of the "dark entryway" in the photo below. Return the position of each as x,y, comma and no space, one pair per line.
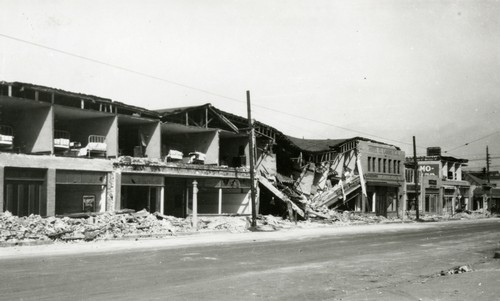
24,191
140,197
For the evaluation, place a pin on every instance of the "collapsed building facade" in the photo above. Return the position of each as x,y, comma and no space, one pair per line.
356,174
64,153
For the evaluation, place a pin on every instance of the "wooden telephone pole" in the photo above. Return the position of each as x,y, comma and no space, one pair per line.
251,139
415,162
487,165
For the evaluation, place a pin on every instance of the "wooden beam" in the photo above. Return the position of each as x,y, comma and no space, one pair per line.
206,118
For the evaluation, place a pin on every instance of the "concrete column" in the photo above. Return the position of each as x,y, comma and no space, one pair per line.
162,200
405,201
51,192
2,185
194,219
374,201
220,201
440,201
453,203
363,202
102,202
117,192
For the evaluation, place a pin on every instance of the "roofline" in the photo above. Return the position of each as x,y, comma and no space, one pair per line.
81,96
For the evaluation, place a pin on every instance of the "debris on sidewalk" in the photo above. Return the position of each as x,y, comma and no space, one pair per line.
108,225
457,270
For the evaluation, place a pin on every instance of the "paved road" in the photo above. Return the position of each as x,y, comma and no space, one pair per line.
390,264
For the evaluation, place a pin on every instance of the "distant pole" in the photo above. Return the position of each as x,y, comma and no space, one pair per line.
487,176
251,137
415,162
487,165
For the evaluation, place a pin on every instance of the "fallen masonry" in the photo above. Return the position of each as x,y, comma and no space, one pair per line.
128,224
109,225
457,270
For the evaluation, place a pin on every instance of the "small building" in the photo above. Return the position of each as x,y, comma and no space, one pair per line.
441,188
485,194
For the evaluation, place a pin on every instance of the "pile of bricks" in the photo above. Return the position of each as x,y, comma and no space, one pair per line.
108,225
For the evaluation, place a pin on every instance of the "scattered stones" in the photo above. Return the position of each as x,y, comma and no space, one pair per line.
457,270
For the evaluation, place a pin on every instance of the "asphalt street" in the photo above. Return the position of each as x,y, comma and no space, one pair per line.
389,264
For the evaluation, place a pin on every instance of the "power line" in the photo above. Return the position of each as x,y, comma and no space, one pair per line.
333,125
188,86
483,159
118,67
466,144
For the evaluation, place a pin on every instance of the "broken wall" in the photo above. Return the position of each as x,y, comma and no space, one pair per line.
152,136
234,151
205,142
81,129
33,130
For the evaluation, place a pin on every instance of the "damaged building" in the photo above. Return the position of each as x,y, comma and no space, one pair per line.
63,152
356,174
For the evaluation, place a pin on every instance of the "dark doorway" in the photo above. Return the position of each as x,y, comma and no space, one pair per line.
23,198
175,196
140,197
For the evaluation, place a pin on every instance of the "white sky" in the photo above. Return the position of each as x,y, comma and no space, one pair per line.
388,70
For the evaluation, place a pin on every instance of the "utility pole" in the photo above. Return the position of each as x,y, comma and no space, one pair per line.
487,165
415,175
251,138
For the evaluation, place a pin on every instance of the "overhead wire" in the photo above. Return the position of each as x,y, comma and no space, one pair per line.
466,144
192,87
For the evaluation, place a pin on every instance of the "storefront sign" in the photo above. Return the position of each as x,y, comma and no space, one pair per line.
384,177
429,169
384,151
88,203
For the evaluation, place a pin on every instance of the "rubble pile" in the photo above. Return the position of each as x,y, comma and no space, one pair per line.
457,270
233,224
275,223
109,225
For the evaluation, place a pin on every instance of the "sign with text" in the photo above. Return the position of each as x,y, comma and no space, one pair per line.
88,203
429,169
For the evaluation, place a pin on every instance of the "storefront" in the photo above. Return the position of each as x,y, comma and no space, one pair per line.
142,191
80,191
25,191
221,196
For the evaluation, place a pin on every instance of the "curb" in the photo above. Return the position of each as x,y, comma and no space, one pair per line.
8,244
